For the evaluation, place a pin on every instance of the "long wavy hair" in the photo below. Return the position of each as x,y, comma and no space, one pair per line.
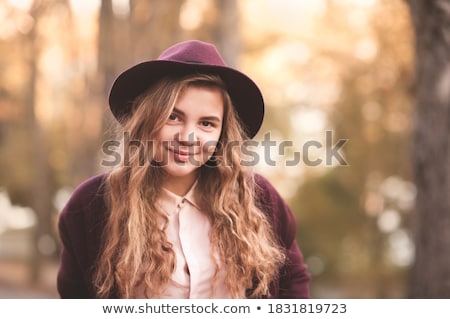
136,250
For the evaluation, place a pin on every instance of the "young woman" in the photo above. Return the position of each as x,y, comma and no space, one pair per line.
182,217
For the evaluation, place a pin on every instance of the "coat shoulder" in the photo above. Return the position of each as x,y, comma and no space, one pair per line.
274,205
267,194
87,196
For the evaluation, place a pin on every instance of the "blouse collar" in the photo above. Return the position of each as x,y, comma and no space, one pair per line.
175,200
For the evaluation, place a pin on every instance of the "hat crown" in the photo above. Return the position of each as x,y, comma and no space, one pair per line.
193,51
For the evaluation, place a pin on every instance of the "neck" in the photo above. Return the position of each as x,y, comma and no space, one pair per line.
179,185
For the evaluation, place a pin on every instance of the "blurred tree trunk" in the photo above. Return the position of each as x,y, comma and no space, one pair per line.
107,58
40,183
154,26
226,33
431,271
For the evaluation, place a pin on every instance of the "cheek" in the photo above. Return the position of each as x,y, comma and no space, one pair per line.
209,147
163,134
156,146
209,143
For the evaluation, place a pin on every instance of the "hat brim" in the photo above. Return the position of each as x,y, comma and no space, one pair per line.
245,94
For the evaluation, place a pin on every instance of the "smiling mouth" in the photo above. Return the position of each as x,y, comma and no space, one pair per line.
181,155
180,152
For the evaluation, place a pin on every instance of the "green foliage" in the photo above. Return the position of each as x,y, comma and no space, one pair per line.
328,212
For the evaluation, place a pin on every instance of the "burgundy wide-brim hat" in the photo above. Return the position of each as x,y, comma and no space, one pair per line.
189,57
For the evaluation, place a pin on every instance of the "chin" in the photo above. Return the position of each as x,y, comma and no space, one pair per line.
180,171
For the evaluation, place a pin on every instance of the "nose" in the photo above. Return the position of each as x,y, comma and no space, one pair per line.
186,136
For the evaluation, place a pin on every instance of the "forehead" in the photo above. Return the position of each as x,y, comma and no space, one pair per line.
200,99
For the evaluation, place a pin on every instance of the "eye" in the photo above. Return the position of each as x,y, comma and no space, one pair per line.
207,124
173,117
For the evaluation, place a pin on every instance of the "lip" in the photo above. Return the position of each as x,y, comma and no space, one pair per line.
180,152
181,155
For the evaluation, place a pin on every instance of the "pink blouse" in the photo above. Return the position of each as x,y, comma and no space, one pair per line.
188,231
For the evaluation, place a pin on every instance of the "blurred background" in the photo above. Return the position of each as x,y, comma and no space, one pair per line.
330,71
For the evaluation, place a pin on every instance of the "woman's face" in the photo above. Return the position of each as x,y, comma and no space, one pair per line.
189,137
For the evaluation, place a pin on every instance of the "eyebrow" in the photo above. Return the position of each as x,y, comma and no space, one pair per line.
212,118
